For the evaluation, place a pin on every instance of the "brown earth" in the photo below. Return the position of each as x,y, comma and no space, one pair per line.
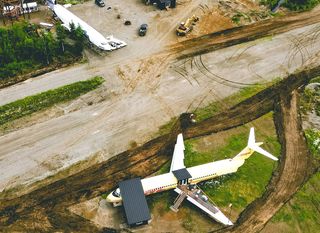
241,34
294,170
45,208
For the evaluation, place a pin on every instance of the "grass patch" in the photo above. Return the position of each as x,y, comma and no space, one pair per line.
34,103
247,183
296,5
73,2
229,185
315,80
244,93
215,107
310,101
239,188
313,140
303,208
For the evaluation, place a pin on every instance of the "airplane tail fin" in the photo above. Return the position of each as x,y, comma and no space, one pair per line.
254,146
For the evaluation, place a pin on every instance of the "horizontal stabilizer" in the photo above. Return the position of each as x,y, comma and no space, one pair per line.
253,146
263,152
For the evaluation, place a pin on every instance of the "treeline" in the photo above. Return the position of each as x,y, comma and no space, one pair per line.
25,47
296,5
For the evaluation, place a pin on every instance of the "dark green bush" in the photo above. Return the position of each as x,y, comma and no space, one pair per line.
24,47
297,5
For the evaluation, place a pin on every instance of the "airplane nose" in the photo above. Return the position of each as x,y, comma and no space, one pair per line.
109,198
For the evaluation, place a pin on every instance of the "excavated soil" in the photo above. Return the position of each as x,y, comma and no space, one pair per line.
294,170
45,209
241,34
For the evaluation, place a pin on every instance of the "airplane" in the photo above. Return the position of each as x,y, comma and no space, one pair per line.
96,38
186,188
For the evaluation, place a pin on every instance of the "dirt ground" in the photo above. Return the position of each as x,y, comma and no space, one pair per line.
163,220
148,88
147,92
51,200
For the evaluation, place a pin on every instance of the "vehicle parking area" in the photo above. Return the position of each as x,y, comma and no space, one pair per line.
110,20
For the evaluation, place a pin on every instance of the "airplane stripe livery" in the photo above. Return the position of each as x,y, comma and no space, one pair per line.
186,186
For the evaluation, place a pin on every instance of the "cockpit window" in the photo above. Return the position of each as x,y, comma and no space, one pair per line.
116,192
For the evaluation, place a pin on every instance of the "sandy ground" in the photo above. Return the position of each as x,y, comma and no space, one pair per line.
45,208
147,92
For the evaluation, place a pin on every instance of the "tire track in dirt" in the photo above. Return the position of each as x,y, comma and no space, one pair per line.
242,34
148,158
294,170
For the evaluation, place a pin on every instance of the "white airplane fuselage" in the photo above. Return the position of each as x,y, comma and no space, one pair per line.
193,176
198,173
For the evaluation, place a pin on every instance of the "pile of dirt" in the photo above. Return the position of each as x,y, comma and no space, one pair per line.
241,34
243,12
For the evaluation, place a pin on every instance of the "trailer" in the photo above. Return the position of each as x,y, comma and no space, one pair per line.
17,10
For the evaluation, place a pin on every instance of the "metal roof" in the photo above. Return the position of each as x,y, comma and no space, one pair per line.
182,174
134,201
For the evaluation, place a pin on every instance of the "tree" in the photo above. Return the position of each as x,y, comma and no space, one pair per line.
61,35
79,36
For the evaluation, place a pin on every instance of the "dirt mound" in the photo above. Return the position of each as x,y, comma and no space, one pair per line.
241,34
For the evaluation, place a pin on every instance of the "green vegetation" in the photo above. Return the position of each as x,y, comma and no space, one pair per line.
313,140
25,47
303,208
239,188
296,5
34,103
302,211
310,100
248,183
73,2
237,17
244,93
215,107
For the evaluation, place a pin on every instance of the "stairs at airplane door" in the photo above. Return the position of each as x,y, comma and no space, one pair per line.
178,201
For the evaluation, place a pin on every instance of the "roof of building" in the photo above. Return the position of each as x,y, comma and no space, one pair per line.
182,174
134,201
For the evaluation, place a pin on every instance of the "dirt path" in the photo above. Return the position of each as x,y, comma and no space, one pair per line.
148,158
229,37
295,168
145,99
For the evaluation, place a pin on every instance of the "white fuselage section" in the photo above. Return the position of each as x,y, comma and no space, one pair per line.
104,43
199,173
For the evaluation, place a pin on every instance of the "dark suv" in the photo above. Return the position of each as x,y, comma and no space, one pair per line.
100,3
143,29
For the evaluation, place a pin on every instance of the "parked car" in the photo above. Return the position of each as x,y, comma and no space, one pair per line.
100,3
143,29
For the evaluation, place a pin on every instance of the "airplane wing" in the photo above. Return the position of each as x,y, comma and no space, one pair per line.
178,155
201,201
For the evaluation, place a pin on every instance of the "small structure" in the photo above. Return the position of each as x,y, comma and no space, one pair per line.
134,202
182,176
12,9
162,4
